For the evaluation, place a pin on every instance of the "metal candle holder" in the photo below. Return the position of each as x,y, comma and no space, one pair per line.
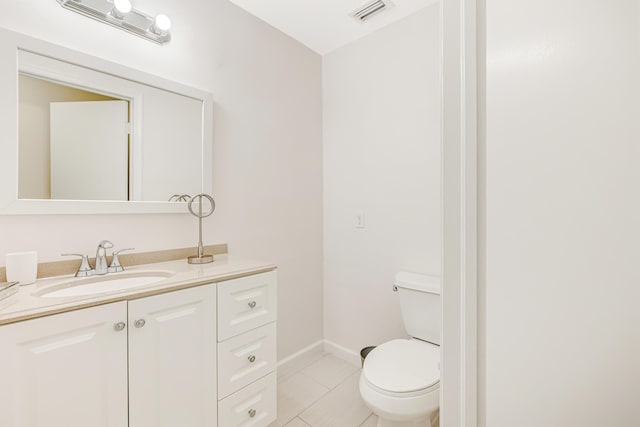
201,258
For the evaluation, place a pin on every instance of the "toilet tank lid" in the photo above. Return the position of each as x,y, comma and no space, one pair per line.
419,282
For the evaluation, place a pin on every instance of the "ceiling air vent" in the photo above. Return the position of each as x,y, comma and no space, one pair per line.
370,9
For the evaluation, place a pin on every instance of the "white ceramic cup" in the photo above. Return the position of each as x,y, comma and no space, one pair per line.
22,267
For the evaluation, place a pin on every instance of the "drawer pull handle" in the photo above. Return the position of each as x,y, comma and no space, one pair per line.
252,413
252,358
252,304
140,323
119,326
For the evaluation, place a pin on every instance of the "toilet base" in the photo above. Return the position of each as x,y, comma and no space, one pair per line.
432,421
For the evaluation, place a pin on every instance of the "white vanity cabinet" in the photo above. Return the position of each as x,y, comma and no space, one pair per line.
201,356
247,316
65,370
148,362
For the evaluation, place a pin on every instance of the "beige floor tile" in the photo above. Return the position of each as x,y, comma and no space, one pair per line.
329,371
296,422
372,421
294,395
341,407
299,363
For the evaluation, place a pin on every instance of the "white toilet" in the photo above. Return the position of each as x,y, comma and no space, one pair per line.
400,380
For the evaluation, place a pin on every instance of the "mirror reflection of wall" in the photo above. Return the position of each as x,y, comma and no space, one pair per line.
34,153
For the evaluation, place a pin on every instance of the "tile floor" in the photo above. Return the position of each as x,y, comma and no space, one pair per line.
321,390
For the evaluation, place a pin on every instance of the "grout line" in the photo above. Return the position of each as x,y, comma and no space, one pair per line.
367,419
343,381
337,357
316,381
310,404
300,368
323,395
313,379
328,390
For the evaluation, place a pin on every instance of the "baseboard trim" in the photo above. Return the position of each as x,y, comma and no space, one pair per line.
316,346
325,346
342,352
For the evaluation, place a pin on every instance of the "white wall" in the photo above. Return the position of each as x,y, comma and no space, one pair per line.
560,345
382,156
267,146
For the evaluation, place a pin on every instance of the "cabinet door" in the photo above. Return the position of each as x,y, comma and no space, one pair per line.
65,370
172,359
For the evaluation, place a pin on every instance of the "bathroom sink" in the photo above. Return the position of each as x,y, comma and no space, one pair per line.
103,284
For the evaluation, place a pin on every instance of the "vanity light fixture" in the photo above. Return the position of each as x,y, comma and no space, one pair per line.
121,14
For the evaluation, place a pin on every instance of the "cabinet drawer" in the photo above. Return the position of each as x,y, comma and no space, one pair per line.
252,406
246,303
245,358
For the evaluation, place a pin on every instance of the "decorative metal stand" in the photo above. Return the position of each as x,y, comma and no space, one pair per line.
201,258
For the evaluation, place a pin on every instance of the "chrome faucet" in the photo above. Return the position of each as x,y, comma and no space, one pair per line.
101,257
101,261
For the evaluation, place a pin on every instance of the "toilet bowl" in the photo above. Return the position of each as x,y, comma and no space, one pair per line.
400,383
400,379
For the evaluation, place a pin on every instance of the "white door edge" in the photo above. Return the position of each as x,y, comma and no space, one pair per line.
459,385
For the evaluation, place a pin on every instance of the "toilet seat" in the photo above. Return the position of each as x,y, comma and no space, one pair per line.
403,368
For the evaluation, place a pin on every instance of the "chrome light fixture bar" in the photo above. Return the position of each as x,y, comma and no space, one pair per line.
120,14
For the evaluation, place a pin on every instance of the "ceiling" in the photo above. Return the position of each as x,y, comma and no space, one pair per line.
325,25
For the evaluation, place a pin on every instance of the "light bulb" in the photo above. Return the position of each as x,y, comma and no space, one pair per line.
162,24
120,8
123,6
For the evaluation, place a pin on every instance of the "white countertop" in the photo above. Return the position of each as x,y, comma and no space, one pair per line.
25,304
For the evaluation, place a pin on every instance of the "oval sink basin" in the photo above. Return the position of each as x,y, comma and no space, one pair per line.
103,284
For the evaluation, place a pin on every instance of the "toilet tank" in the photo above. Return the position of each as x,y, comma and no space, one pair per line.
420,305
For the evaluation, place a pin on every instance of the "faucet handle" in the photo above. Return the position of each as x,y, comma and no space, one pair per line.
115,265
85,268
105,244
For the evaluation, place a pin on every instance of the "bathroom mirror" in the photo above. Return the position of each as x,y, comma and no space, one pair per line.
84,135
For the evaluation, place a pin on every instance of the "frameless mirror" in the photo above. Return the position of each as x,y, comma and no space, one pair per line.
96,137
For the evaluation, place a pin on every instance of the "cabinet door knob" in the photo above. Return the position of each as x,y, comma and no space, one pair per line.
252,304
252,358
252,413
119,326
140,323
